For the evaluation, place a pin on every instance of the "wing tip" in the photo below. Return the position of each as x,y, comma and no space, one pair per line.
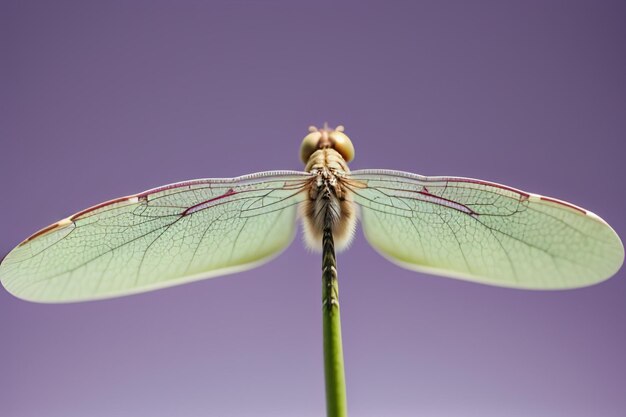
69,220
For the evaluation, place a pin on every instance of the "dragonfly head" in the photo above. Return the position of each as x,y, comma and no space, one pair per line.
326,137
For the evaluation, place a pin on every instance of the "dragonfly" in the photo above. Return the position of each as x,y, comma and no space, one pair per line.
451,226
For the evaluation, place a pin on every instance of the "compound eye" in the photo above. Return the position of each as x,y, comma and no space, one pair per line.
342,144
309,145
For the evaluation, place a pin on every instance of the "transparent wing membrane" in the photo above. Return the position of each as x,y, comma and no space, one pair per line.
482,231
458,227
162,237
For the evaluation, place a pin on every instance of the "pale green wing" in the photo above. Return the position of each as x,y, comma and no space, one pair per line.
484,232
162,237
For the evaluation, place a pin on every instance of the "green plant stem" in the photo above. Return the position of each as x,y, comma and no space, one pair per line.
336,404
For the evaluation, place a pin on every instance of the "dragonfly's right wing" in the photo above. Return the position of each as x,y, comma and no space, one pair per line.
158,238
483,231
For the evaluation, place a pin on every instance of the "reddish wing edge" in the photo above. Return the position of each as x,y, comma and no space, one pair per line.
145,194
426,179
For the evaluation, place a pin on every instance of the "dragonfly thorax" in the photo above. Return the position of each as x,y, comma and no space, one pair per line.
328,200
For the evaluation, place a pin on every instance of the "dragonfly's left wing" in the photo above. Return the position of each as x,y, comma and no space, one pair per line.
158,238
483,231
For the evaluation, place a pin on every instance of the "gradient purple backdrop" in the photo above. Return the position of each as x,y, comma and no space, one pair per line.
105,99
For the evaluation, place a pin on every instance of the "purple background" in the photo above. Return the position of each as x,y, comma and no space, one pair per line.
102,100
